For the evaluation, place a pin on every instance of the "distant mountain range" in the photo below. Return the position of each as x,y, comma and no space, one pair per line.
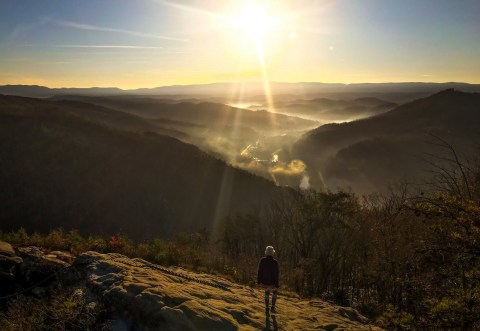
36,91
253,89
76,165
327,110
201,113
368,154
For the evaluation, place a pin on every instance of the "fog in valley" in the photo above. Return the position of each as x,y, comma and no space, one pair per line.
322,138
251,134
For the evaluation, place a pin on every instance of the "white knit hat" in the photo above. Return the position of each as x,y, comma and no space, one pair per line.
269,251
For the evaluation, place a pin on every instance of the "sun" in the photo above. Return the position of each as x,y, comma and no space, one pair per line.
254,34
254,21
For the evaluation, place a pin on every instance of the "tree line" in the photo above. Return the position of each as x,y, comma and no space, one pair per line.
409,259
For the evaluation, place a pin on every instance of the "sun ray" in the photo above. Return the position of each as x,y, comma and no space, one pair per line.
266,82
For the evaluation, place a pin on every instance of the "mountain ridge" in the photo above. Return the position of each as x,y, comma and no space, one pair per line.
350,150
221,89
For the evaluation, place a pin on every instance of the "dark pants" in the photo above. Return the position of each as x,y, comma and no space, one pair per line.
269,289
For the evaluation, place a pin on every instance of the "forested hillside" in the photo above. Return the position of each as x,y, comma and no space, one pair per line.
61,170
370,154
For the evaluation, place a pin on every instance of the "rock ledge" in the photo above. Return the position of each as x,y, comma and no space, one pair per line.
146,296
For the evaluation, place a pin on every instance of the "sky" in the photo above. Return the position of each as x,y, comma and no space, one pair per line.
149,43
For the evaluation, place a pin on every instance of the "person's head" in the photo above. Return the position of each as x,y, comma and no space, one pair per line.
269,251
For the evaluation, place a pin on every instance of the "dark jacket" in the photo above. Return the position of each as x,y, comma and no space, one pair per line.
268,271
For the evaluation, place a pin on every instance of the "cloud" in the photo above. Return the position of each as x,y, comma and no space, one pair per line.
110,46
90,27
192,9
295,167
23,29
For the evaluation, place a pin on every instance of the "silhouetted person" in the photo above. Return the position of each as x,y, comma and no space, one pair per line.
268,273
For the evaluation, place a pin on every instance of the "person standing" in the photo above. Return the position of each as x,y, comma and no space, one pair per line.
267,277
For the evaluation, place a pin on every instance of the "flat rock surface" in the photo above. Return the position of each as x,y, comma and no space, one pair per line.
151,297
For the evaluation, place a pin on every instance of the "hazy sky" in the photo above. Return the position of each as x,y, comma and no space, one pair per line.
147,43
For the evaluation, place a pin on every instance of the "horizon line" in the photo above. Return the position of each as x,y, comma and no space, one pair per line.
245,82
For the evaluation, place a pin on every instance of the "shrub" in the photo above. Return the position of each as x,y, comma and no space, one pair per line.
394,319
56,240
66,309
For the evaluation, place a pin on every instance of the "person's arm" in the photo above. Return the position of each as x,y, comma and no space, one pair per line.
259,274
277,274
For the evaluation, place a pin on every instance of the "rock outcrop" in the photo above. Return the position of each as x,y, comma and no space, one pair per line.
8,260
32,270
145,296
40,266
